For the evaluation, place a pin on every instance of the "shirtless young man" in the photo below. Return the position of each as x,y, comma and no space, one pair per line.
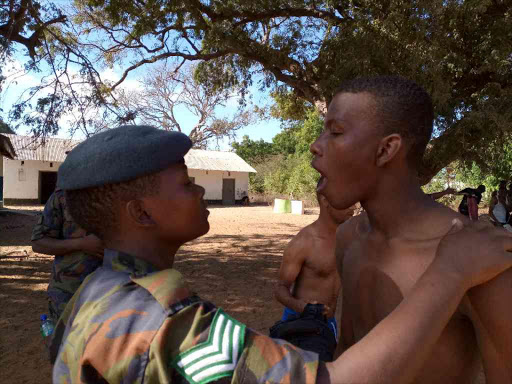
308,272
376,131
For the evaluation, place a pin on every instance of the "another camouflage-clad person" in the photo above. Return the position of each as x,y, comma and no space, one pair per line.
134,320
76,253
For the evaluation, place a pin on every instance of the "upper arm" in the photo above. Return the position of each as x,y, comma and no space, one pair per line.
293,260
253,357
51,221
491,314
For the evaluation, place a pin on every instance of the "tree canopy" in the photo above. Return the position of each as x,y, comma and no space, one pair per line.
253,151
300,50
167,91
25,22
284,166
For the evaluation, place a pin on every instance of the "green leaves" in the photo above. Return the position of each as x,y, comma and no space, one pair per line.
298,50
284,166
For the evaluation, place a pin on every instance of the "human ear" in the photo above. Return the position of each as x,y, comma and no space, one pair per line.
138,215
388,148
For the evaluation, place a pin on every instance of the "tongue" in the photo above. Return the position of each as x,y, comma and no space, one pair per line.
321,183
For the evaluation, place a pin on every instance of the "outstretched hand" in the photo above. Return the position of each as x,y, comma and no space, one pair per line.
474,252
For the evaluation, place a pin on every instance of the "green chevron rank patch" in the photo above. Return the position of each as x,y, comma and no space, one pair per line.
217,357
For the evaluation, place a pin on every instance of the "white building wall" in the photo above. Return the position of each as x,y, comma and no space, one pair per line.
22,181
211,181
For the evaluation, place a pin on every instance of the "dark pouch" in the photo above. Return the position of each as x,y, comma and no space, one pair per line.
309,331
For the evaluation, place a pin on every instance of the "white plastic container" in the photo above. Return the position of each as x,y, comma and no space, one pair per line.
297,207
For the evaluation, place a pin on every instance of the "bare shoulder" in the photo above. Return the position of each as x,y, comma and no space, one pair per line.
346,234
437,221
351,229
301,242
496,292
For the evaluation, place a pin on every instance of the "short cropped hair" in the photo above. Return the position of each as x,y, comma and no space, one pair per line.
95,209
403,107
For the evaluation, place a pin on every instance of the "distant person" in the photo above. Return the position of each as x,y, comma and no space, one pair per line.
77,254
470,200
498,211
309,284
438,195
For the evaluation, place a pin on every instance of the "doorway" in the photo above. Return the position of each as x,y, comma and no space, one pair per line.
47,184
228,191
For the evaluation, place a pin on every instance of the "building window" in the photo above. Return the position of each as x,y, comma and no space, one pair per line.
22,162
229,173
51,165
21,174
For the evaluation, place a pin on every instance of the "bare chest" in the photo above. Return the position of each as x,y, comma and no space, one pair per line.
375,282
321,262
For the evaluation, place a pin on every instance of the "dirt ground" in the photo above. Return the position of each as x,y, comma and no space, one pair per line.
234,266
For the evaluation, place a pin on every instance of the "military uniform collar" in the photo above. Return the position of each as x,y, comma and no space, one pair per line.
123,262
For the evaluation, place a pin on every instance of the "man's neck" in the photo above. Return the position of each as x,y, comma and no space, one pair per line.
395,206
326,225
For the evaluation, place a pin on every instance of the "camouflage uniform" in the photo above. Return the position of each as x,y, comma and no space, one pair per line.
129,323
68,271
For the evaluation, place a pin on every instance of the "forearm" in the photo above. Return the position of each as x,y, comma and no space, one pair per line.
395,350
284,296
57,247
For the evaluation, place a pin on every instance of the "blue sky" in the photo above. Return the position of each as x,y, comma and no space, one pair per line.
18,82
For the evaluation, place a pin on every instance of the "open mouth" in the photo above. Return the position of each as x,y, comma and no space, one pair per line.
321,184
323,179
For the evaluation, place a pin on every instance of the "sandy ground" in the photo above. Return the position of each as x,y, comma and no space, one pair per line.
234,266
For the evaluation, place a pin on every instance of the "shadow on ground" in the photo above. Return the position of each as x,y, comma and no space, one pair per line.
235,271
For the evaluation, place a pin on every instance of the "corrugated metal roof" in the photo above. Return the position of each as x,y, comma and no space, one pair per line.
216,161
52,149
28,148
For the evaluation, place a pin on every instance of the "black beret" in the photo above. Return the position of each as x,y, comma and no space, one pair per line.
121,154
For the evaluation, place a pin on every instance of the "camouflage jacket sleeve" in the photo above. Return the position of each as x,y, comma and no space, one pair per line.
51,221
148,330
202,346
